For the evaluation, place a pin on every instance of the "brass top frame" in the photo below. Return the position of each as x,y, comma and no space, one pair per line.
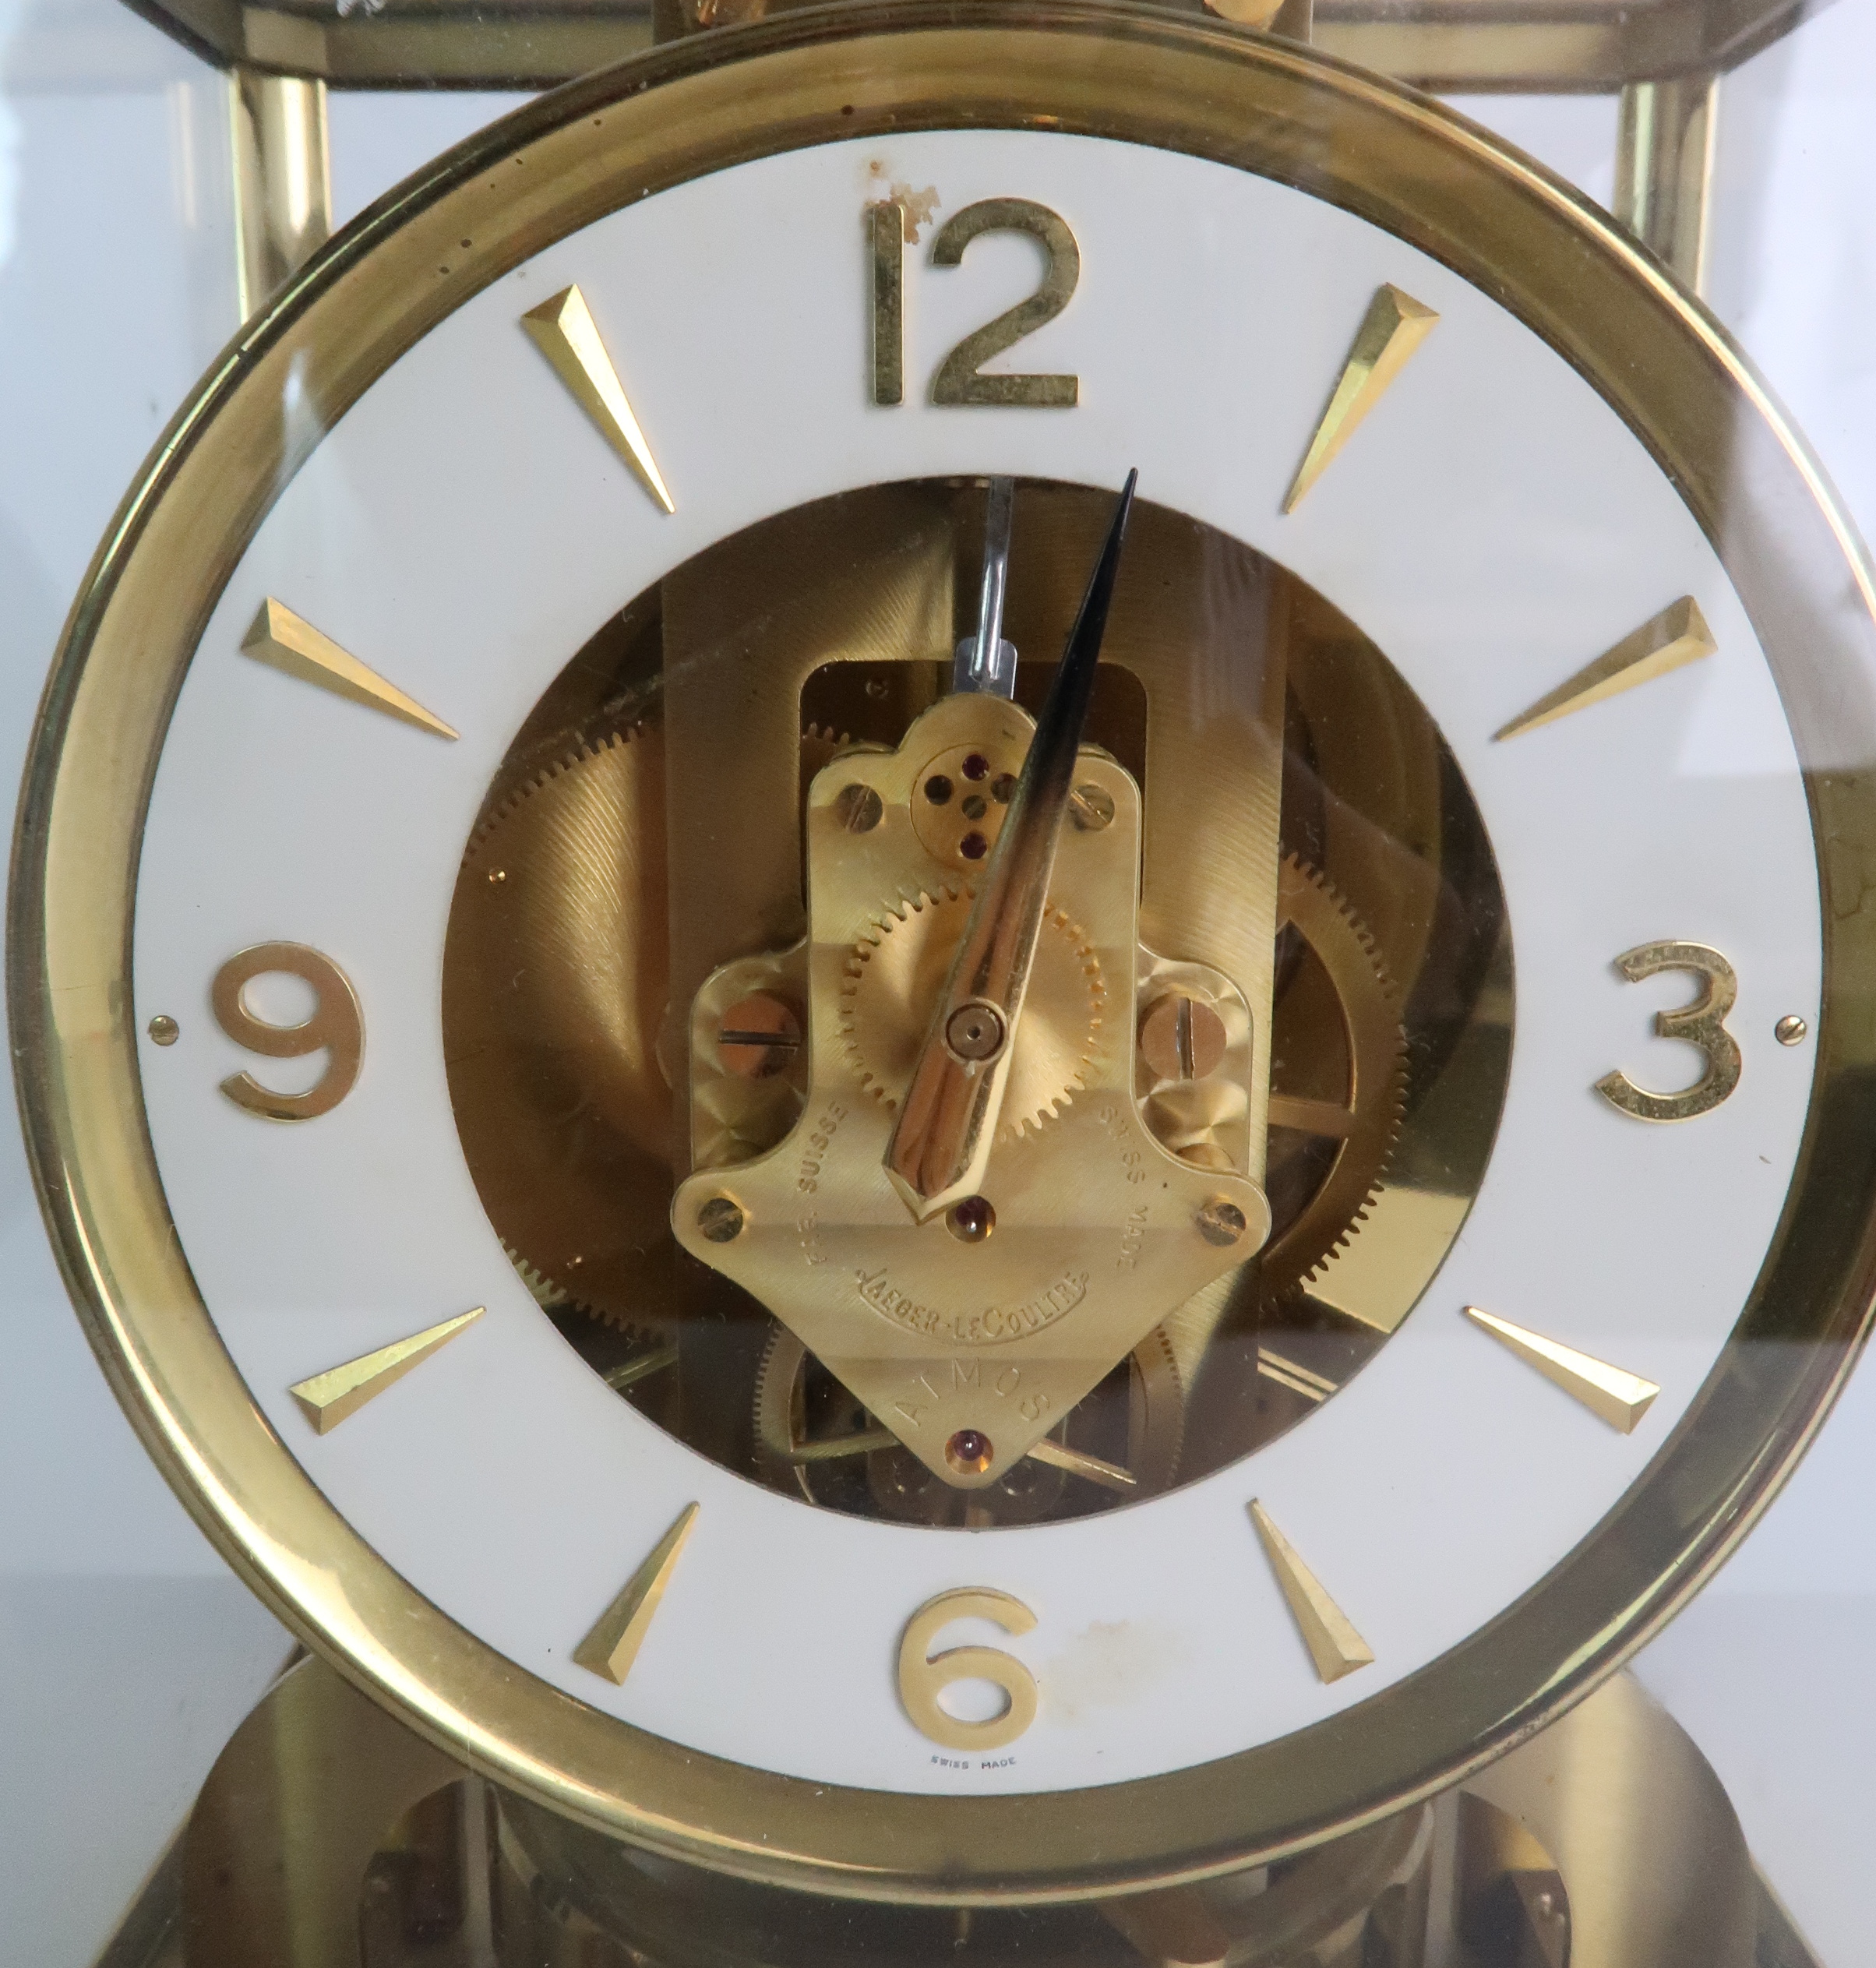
1153,78
1446,46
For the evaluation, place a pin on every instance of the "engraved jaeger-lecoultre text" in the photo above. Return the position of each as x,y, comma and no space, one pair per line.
959,378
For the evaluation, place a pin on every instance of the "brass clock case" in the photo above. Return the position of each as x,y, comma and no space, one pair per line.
1402,163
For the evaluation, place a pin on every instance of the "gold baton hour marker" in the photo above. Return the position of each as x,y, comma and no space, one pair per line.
1679,634
1334,1646
327,1398
290,643
1621,1399
609,1650
565,332
1394,326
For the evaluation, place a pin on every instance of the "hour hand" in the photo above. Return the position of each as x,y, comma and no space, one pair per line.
948,1120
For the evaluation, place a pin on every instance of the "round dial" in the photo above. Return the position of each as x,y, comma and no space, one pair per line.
856,1161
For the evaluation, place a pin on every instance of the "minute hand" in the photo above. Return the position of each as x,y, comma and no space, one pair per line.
942,1142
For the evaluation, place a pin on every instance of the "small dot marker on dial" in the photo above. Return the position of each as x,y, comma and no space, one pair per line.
1334,1646
164,1030
1620,1398
612,1645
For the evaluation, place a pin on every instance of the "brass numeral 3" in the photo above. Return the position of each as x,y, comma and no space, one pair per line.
1701,1023
923,1678
337,1027
959,380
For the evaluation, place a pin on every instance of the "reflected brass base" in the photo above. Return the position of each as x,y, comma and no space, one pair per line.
329,1836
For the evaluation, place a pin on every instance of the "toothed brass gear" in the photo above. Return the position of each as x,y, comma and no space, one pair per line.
820,747
895,975
556,974
554,977
1344,1087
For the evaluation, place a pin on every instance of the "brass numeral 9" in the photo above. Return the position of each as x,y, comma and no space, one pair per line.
336,1028
959,380
923,1678
1700,1024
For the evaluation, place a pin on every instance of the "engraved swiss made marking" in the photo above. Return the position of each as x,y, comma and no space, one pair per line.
1132,1235
815,1147
992,1327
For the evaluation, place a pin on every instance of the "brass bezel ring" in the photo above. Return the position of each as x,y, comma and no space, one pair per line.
1181,83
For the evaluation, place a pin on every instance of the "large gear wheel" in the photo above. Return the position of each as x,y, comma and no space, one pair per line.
1338,1076
554,983
556,974
897,970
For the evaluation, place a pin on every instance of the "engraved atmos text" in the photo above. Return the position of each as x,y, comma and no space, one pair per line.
991,1327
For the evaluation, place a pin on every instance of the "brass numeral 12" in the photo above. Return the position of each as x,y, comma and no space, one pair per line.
335,1027
959,379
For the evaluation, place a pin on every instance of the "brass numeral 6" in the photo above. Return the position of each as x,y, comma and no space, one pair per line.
923,1678
337,1027
959,380
1700,1024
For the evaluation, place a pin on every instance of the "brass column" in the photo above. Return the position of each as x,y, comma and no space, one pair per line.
1664,167
283,178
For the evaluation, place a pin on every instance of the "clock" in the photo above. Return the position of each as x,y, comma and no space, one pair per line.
939,950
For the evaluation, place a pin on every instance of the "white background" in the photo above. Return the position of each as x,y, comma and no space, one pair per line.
127,1651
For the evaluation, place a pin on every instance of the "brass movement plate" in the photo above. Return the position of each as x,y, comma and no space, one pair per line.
1100,1231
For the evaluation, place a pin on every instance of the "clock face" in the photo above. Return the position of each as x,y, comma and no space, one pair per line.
546,924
